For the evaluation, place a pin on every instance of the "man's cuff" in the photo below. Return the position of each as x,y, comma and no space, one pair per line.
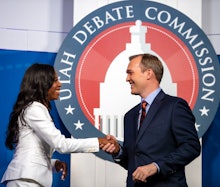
158,168
117,157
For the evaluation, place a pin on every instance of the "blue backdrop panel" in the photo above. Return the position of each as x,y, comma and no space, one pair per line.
211,153
12,67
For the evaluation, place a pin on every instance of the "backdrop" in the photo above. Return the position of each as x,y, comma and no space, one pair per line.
12,67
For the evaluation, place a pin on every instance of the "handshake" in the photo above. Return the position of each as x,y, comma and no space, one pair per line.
109,144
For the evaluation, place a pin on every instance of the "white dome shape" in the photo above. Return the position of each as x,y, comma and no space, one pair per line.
115,94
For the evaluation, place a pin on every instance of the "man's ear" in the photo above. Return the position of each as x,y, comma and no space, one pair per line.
149,73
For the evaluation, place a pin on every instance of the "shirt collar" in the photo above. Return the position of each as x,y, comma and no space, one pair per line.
150,98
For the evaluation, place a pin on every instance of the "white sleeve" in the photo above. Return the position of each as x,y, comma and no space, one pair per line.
39,119
53,161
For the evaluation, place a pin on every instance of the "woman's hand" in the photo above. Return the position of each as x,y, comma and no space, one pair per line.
61,167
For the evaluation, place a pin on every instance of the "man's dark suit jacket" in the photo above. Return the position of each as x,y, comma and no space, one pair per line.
167,137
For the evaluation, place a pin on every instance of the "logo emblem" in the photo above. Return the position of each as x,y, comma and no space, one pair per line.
93,58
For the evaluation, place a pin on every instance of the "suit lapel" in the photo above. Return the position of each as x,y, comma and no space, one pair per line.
151,114
135,122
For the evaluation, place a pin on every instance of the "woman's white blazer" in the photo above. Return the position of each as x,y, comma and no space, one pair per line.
37,142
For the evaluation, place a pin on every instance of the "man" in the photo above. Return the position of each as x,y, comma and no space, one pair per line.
156,151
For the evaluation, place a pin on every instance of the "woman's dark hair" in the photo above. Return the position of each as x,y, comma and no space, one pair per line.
36,82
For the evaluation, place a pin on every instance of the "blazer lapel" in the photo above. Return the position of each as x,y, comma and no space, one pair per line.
135,122
151,114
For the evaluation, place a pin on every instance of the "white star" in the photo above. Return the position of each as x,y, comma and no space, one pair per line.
197,126
69,110
78,125
204,111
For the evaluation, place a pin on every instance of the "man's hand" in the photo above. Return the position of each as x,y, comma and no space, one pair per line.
112,146
143,172
61,167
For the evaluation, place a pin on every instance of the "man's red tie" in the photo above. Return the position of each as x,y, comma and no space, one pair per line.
143,111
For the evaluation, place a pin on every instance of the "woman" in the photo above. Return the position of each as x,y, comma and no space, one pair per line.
33,135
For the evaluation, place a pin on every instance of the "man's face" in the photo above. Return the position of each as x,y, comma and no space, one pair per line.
136,78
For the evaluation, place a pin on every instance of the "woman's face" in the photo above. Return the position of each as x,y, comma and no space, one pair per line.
54,91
